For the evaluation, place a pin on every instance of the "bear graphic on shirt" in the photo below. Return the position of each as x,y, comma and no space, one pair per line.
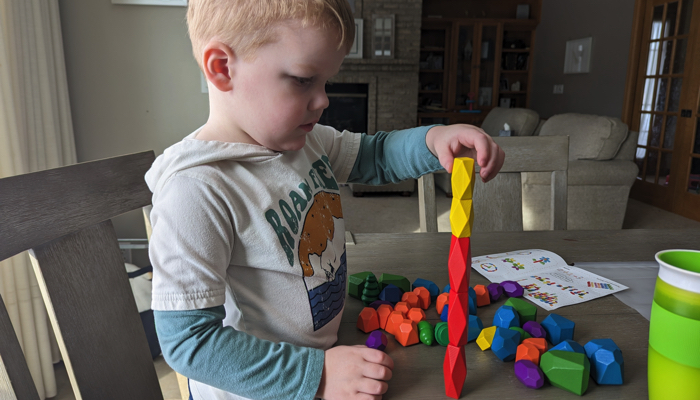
322,257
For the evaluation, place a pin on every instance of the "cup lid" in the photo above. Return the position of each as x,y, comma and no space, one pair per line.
683,278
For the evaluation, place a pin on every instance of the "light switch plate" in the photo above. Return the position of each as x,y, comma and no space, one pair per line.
179,3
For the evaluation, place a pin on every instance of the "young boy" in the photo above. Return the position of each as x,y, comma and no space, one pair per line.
248,236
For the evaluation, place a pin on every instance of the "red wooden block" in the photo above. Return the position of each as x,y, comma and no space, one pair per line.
392,324
460,264
411,299
383,312
482,296
458,318
423,296
368,320
407,333
403,307
454,370
442,300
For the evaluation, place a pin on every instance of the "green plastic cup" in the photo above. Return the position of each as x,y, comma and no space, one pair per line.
674,327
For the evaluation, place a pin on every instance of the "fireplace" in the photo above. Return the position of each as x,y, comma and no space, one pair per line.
347,109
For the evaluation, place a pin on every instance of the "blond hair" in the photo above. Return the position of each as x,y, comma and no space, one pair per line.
245,25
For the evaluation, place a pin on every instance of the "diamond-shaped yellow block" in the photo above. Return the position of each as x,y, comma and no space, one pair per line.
461,217
463,178
486,338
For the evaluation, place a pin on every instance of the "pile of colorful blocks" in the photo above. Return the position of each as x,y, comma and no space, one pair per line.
398,307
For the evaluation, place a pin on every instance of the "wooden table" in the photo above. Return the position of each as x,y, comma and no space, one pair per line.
418,368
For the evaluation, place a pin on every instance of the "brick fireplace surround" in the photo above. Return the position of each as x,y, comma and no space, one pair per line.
393,83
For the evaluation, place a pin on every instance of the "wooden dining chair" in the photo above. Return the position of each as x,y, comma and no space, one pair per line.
498,203
62,216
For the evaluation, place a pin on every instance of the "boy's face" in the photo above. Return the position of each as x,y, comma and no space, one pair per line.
279,95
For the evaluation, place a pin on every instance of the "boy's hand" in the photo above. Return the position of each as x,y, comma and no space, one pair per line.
355,372
448,142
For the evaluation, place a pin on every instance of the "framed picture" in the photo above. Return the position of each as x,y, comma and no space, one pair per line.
181,3
356,49
577,58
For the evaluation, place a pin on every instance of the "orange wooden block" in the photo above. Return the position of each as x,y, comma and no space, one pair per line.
454,369
411,299
527,351
482,296
407,333
442,300
368,320
424,297
383,312
540,343
392,324
403,307
416,315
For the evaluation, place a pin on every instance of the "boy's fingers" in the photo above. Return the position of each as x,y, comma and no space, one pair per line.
372,387
377,371
378,357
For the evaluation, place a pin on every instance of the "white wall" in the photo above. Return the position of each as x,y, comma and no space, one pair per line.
599,92
133,82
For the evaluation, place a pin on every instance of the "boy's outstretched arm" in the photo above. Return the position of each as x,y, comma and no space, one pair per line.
355,372
448,142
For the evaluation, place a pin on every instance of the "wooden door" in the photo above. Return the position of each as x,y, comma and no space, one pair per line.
665,110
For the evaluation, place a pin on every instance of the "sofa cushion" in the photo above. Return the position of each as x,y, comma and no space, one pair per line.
590,172
522,121
591,137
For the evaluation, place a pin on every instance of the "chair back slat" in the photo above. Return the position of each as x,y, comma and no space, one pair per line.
45,205
93,311
15,379
63,216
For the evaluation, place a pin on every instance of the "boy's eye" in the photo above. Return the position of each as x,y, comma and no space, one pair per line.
303,81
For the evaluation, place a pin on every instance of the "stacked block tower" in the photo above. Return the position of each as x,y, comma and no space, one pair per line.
461,222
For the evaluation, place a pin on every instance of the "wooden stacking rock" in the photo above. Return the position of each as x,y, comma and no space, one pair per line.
424,297
512,289
534,329
482,296
430,285
442,300
505,344
486,338
396,280
528,351
391,293
526,310
377,340
569,345
558,328
407,333
368,320
356,283
529,374
475,327
383,311
607,364
505,317
566,370
495,291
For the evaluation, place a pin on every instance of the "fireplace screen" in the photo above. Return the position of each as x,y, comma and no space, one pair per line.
348,107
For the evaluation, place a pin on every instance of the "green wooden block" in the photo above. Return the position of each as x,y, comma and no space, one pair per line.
396,280
523,335
370,292
356,284
526,310
567,370
426,333
442,335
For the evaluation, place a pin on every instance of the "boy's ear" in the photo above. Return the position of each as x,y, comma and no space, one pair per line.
217,62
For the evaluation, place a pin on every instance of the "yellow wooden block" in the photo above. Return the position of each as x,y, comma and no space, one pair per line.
461,217
486,338
463,178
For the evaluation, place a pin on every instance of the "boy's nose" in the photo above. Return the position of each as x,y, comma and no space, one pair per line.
320,101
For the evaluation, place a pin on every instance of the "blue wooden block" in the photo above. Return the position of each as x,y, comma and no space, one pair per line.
505,343
472,294
391,294
446,289
475,328
569,345
608,366
558,328
506,317
430,285
472,306
595,344
443,316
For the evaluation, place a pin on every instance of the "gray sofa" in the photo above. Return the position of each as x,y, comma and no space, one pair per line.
601,168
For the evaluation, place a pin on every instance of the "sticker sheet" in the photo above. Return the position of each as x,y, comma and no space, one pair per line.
548,281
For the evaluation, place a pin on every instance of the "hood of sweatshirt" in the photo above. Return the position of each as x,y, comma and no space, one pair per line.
191,152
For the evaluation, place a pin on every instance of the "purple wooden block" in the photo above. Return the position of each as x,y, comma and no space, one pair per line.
529,374
377,340
535,329
495,291
512,288
375,304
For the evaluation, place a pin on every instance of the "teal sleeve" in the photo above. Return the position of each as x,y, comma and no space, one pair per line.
390,157
197,345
